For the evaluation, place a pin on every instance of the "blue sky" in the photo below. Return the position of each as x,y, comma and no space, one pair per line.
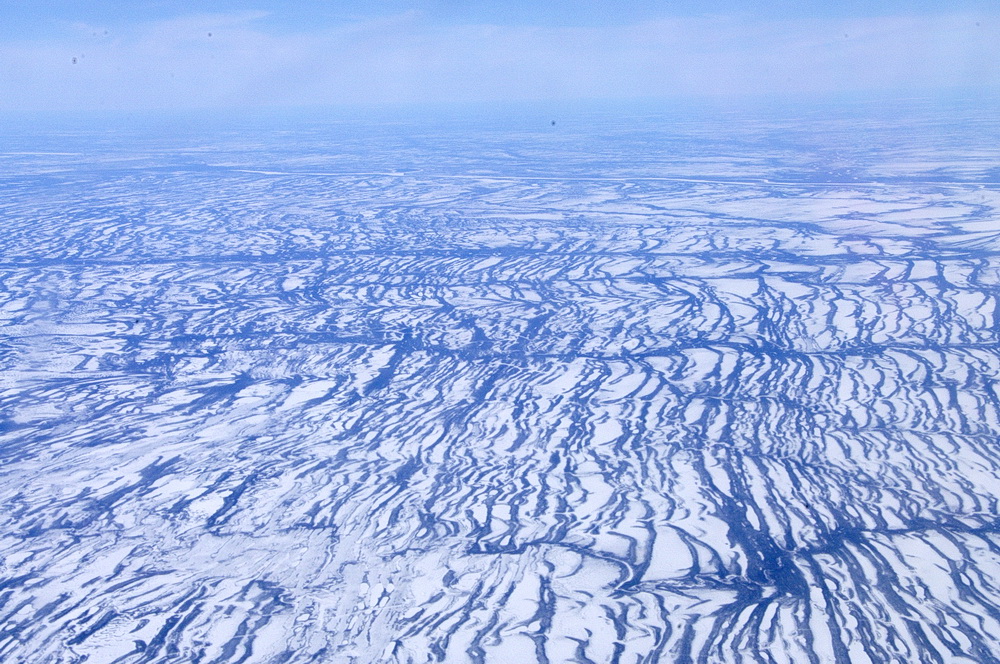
168,54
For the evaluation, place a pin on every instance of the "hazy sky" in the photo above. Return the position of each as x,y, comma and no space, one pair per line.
57,54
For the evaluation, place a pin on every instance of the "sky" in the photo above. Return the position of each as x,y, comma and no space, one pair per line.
227,54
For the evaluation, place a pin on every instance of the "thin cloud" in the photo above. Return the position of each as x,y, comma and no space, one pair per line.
235,60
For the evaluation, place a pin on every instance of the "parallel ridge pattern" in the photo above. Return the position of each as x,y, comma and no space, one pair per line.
301,417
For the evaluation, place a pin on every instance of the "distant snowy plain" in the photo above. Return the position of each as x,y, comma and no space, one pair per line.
627,388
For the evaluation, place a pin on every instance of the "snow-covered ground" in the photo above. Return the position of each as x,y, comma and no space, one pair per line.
594,392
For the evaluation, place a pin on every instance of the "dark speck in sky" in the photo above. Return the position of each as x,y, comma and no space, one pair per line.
74,61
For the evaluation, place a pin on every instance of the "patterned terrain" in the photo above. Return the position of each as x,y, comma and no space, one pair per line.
636,390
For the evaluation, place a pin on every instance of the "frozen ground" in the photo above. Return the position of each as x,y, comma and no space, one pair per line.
630,388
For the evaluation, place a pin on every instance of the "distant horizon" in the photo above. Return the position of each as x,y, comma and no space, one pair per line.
725,105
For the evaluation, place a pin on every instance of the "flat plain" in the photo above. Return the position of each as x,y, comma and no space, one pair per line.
631,387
